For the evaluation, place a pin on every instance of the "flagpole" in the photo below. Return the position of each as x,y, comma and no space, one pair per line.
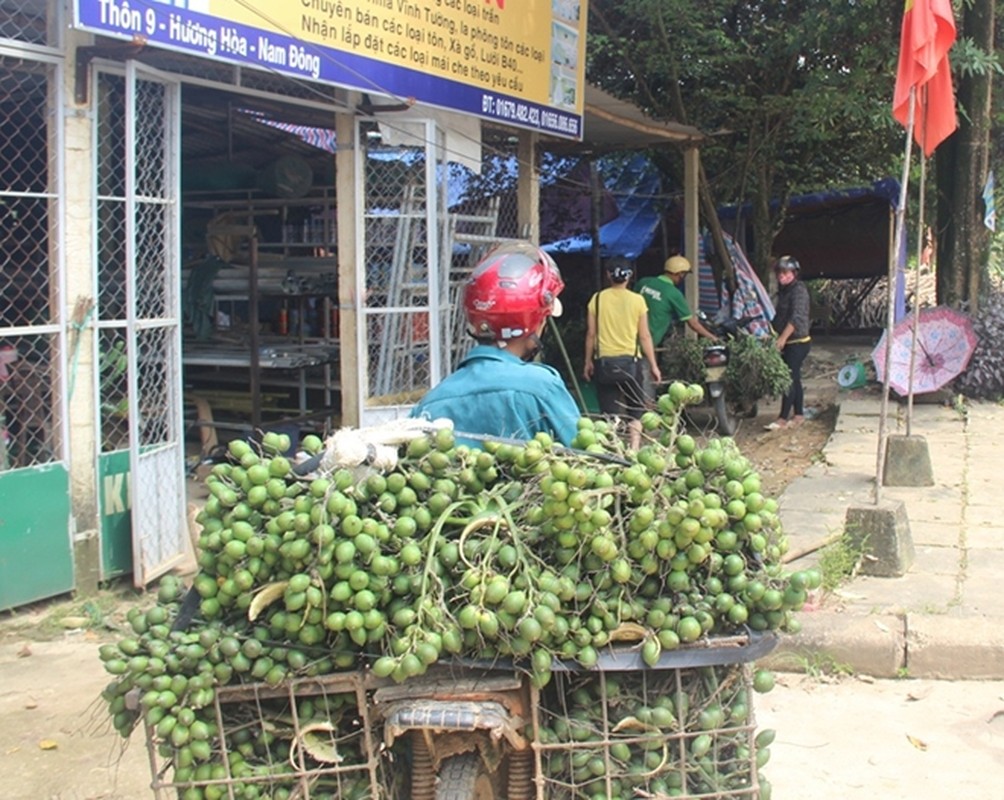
891,304
916,285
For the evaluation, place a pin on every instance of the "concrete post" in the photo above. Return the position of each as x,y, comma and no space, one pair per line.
882,532
80,268
350,227
907,462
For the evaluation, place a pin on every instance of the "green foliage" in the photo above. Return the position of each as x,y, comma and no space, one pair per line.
838,562
683,360
968,58
755,369
798,92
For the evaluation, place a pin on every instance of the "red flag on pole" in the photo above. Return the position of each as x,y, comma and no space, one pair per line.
927,35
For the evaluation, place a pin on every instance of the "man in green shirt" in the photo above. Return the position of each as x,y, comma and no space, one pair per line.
666,304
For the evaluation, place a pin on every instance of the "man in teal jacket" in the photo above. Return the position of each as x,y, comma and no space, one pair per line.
497,390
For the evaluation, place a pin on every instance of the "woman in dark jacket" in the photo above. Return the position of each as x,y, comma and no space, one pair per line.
791,323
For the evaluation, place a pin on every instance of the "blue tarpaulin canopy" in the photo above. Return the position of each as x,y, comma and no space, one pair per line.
636,187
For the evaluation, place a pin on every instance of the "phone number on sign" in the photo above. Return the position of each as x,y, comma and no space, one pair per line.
503,108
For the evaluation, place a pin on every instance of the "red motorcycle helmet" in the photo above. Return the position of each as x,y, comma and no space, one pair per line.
511,292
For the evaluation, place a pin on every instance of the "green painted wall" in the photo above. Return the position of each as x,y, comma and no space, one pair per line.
36,558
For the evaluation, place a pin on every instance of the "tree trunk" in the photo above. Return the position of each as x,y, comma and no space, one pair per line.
963,241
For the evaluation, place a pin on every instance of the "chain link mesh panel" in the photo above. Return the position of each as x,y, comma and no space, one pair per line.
406,281
113,389
397,258
29,301
155,289
111,208
156,384
154,292
26,21
29,383
482,214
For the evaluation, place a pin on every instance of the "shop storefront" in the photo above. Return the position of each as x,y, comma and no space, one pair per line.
217,220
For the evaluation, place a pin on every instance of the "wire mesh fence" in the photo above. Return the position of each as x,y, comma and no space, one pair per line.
412,277
28,21
401,278
134,248
29,289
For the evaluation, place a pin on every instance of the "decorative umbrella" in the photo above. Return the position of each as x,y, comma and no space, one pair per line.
945,343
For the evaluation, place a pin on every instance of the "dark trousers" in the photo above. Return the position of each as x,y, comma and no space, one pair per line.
622,399
793,355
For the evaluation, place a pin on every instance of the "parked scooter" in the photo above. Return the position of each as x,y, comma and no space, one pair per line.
728,411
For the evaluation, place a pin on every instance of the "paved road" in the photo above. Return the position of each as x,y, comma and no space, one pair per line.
884,740
849,740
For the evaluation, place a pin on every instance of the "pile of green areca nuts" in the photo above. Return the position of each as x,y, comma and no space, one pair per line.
529,551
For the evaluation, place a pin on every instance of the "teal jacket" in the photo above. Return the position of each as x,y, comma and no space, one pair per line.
494,393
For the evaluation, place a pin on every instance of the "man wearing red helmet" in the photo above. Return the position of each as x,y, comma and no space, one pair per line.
497,390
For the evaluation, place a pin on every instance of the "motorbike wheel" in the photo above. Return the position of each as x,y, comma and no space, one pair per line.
728,423
464,778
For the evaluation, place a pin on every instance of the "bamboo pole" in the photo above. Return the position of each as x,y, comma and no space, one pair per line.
891,304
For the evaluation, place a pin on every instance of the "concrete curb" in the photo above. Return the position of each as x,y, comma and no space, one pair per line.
946,647
833,641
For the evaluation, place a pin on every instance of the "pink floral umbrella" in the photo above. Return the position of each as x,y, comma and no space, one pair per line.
945,343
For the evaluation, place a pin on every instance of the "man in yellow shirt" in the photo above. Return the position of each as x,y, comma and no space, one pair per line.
618,347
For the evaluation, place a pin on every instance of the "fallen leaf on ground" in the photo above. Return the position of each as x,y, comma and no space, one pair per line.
47,744
917,742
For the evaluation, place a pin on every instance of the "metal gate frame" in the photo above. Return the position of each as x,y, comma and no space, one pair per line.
395,366
145,144
36,530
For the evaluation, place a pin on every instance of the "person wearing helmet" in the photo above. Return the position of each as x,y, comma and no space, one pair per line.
497,389
791,324
666,303
617,328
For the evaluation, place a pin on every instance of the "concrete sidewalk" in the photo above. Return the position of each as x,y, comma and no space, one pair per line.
944,618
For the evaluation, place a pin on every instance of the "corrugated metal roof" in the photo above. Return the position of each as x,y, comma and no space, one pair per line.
617,124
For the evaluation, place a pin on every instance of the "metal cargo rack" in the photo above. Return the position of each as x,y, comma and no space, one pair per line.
289,755
683,727
650,733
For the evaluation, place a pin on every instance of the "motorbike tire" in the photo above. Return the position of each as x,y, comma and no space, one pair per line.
726,416
464,777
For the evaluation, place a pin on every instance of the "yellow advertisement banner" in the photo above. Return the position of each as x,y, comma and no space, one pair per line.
530,49
518,61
